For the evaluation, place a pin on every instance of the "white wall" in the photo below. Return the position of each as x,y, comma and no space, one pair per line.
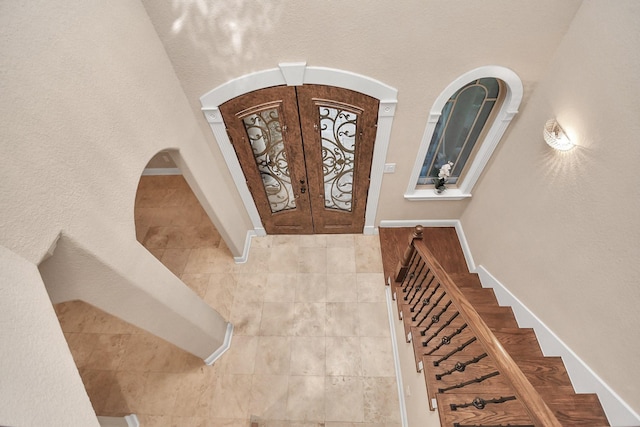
40,384
561,230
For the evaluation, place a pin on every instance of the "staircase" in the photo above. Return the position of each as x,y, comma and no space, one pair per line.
480,368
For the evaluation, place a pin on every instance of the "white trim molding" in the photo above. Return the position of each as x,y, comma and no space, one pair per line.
295,74
396,357
247,245
126,421
224,347
507,111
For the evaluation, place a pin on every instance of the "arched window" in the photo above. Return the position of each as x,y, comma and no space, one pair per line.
464,127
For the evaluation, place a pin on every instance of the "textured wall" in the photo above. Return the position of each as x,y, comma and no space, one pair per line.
40,383
561,230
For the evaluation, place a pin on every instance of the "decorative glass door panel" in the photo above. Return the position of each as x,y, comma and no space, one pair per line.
264,133
306,154
338,136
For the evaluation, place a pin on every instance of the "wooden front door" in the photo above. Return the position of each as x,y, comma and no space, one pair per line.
306,154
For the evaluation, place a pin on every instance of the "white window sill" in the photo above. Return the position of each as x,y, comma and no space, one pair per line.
430,194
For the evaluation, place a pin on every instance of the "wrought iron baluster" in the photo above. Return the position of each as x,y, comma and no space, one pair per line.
454,351
413,264
461,366
419,286
446,340
466,383
425,301
444,325
415,279
431,309
436,317
480,403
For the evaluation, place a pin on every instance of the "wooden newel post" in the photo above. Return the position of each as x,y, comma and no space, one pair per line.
403,265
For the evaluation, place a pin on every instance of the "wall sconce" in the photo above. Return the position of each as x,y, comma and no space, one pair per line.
555,136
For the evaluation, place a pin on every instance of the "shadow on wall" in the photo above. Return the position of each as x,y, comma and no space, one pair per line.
239,28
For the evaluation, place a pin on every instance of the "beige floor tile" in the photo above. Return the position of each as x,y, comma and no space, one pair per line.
313,241
341,241
160,392
277,318
194,393
343,356
307,356
283,259
371,287
249,287
309,319
189,422
342,287
305,399
380,403
341,320
241,356
108,351
258,262
81,346
281,287
154,420
245,316
126,393
220,291
273,356
312,260
368,255
175,259
341,260
373,319
269,396
311,287
97,383
377,357
231,397
344,399
197,282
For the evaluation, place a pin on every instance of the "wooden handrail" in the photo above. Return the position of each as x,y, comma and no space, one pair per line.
535,406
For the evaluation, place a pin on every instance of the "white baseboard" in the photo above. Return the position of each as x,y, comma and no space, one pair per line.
126,421
584,380
247,245
224,347
396,358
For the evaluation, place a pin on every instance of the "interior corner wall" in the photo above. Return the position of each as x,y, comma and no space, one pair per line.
40,383
561,230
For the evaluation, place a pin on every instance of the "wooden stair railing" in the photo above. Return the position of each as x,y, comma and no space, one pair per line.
426,294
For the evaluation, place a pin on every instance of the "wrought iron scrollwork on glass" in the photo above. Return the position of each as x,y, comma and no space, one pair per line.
265,136
338,129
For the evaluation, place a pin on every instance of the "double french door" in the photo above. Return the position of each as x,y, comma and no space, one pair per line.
306,155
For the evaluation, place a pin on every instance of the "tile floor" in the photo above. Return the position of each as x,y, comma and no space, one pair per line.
311,343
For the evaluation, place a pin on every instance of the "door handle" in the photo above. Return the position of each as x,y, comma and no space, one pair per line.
303,189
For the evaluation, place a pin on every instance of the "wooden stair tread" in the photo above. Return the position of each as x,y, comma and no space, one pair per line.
466,280
578,410
519,341
509,412
544,371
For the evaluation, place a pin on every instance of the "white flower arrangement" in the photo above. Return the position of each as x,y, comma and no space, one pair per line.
443,174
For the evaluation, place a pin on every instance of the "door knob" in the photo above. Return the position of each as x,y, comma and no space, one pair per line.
303,189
